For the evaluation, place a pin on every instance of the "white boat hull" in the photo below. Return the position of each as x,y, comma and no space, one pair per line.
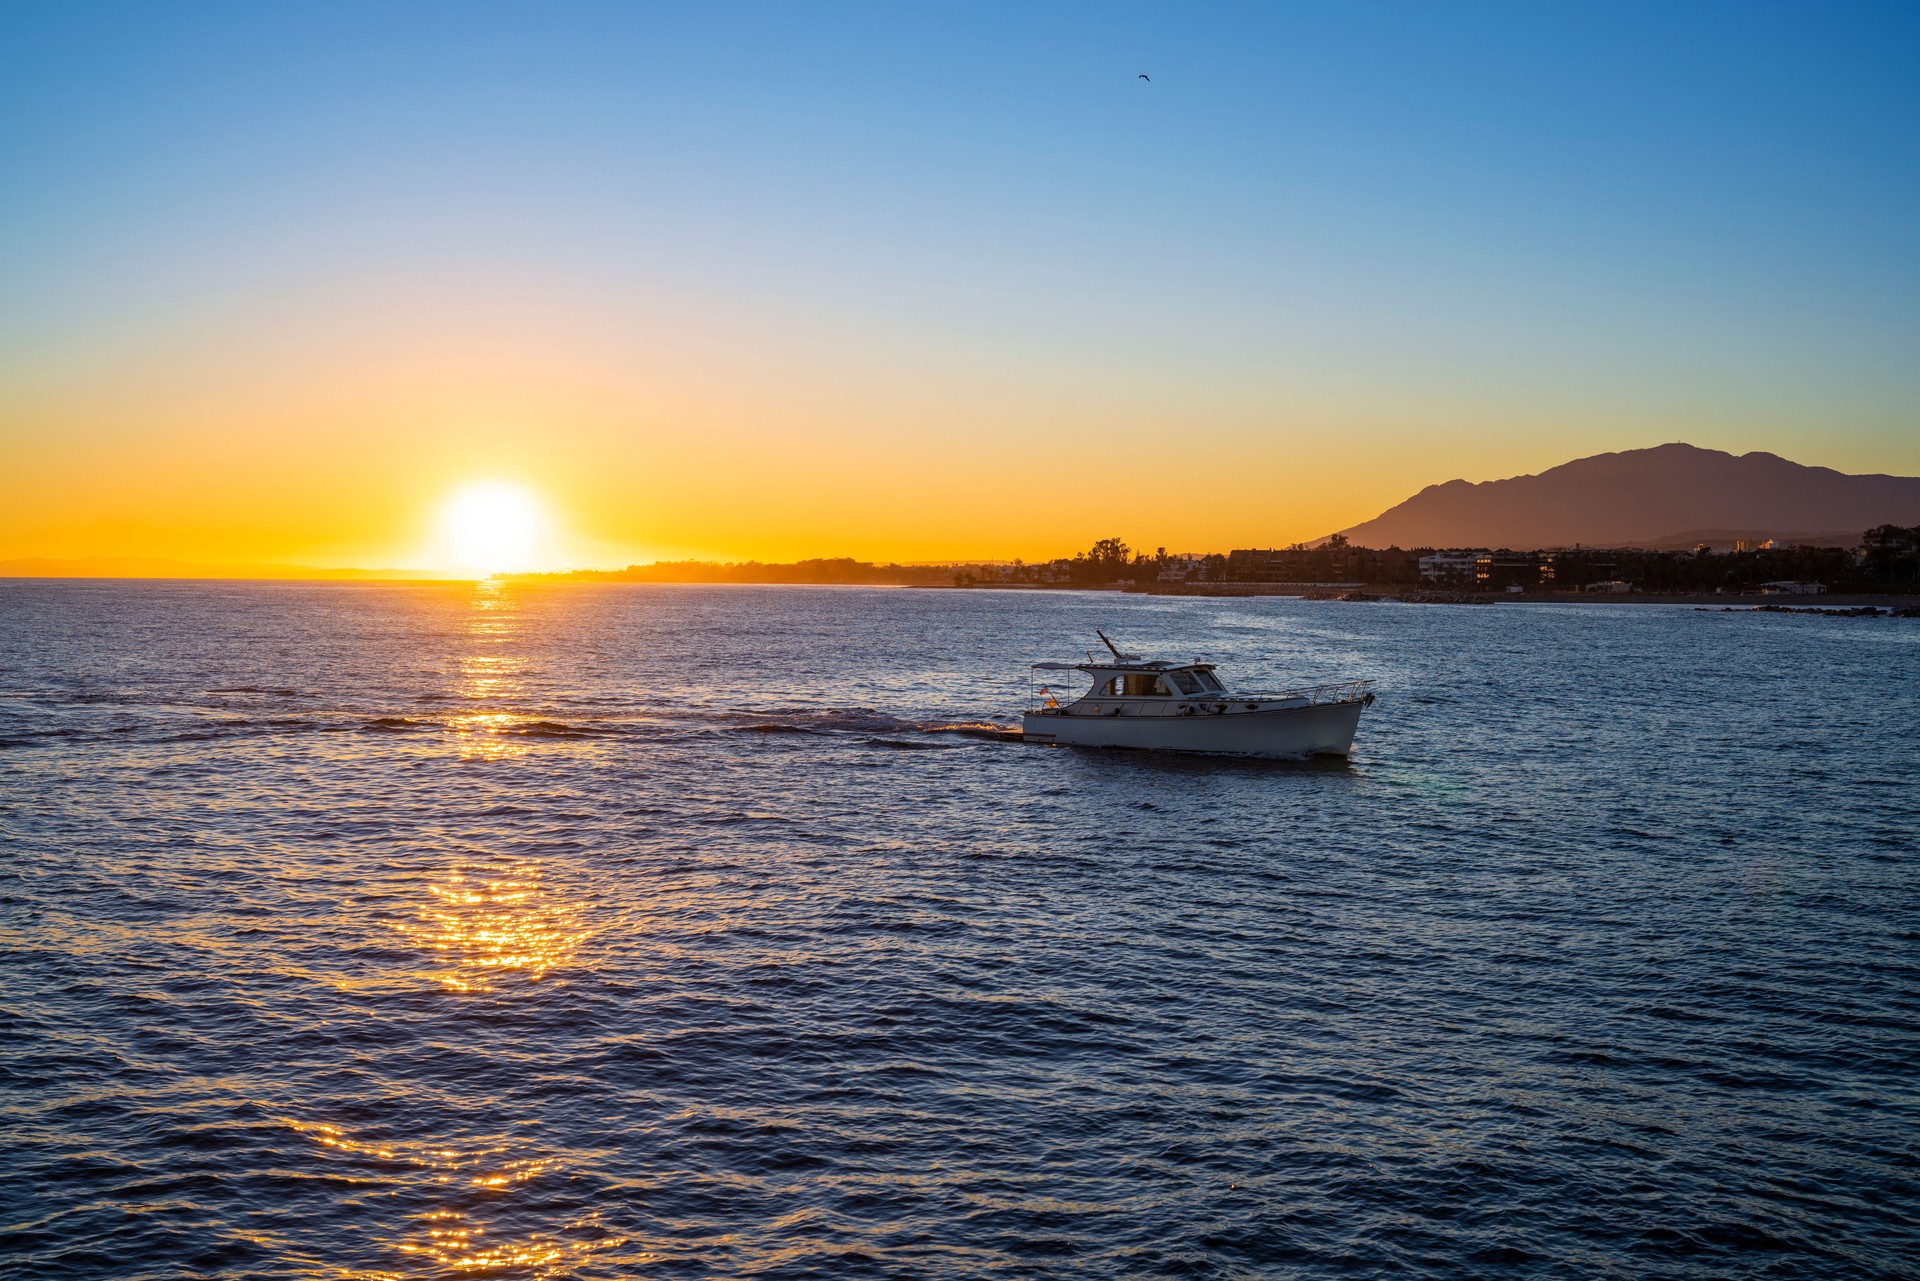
1287,733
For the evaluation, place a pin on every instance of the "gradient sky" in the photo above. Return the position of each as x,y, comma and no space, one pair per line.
922,282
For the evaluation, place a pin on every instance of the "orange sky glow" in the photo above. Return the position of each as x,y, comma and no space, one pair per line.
276,283
308,437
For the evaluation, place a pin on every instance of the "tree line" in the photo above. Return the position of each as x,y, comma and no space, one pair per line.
1887,559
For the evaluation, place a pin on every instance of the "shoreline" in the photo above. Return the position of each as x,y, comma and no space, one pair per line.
1344,594
1372,593
1837,600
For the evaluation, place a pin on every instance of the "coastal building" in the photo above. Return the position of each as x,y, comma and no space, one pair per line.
1890,554
1505,569
1891,538
1333,561
1792,587
1610,587
1179,568
1453,566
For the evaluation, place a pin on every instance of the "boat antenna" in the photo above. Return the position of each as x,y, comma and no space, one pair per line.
1125,658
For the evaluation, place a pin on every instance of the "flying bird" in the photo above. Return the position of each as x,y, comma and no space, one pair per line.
1144,76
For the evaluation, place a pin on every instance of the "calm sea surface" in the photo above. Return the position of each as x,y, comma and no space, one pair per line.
394,931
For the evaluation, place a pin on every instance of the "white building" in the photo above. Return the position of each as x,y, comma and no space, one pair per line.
1451,566
1180,567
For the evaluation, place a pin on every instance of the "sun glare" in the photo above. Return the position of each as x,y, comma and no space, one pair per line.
491,528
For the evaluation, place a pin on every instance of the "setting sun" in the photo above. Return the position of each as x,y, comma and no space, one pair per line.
491,527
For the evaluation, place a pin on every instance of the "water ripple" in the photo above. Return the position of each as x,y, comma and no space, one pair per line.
410,931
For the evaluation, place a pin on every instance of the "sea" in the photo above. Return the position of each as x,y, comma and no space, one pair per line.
609,931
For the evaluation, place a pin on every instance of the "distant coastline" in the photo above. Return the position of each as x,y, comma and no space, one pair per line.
1881,562
1363,593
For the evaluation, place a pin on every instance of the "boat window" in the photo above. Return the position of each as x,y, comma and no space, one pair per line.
1143,686
1185,682
1208,682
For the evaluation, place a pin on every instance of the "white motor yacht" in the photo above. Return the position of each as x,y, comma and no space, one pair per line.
1183,707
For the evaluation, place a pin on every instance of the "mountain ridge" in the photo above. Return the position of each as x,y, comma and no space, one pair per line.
1640,498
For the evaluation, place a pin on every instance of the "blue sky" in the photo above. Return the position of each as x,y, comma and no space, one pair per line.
1501,235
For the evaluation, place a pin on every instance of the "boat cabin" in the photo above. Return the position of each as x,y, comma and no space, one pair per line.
1154,680
1191,681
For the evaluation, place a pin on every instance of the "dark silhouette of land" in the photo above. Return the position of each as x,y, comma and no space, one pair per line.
1884,560
1671,497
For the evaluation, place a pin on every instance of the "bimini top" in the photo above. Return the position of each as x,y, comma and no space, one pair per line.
1121,663
1127,664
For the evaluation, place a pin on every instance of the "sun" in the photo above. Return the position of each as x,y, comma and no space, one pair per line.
491,527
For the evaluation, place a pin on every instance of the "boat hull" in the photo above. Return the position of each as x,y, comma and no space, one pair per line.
1283,733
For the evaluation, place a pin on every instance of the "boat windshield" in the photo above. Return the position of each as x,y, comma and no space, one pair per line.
1193,680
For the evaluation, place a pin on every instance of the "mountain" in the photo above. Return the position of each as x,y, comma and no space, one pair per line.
1647,498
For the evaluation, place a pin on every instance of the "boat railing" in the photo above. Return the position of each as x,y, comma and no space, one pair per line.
1348,691
1352,691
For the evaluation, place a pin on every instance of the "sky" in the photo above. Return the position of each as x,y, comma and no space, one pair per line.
917,282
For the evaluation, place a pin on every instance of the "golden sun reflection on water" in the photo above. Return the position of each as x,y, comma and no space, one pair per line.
481,923
492,919
461,1240
456,1243
489,925
487,917
488,676
491,736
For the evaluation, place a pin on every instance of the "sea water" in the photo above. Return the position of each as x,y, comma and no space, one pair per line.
628,931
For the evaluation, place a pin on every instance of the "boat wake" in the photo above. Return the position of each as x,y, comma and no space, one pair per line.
875,727
42,716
